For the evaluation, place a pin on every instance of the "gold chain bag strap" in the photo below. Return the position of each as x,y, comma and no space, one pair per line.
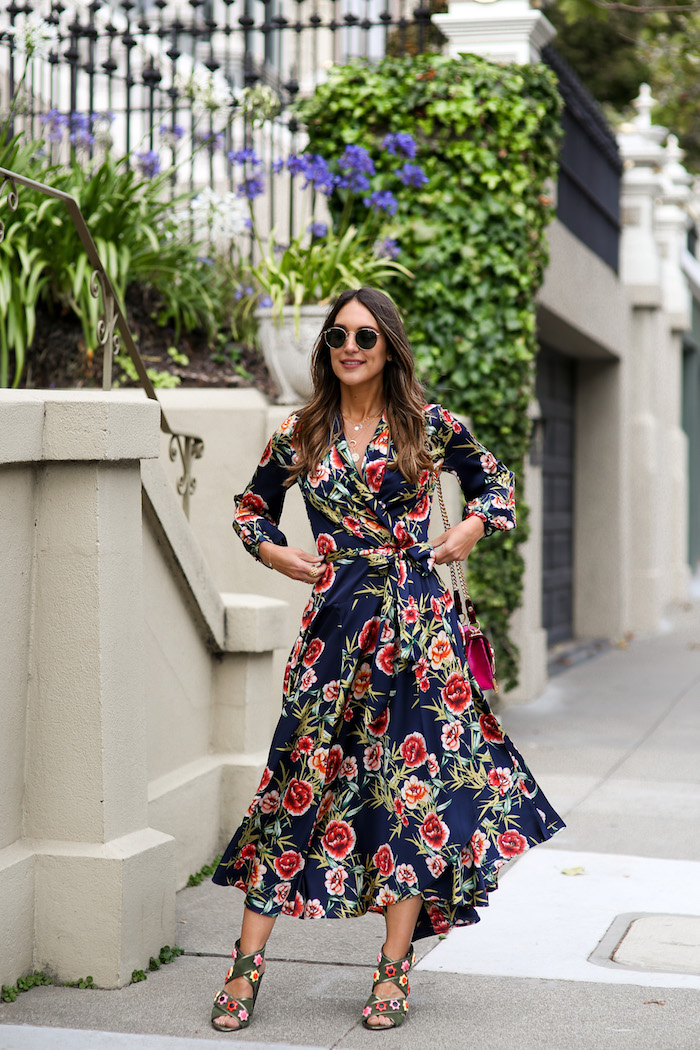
478,650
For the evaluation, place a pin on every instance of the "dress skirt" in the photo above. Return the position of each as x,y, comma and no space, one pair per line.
388,776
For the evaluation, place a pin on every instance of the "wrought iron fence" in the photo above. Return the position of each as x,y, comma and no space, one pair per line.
177,82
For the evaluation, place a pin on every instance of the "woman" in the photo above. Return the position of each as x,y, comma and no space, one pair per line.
389,787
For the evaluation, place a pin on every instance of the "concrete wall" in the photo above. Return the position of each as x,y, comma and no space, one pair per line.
76,846
210,682
136,699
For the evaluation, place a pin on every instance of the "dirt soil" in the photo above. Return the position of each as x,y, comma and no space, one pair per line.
59,358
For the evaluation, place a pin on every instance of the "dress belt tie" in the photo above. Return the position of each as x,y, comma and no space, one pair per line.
393,562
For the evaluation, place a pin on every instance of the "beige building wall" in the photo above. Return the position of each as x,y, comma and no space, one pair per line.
133,697
584,312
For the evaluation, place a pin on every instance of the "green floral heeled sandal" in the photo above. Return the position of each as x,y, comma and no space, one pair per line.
225,1005
396,1009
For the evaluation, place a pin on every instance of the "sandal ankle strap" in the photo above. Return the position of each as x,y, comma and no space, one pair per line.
247,966
394,970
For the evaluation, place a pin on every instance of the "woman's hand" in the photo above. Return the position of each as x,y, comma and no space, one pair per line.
292,561
458,542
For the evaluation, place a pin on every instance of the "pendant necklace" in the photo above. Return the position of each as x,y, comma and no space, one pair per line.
352,442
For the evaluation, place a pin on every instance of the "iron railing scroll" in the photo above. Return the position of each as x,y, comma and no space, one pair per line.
112,328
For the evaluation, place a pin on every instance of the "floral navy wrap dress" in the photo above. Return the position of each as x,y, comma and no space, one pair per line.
388,776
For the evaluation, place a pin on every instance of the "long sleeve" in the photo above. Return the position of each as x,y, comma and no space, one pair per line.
487,485
259,506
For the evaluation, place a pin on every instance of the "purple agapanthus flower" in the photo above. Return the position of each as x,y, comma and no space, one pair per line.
81,136
382,200
175,132
277,166
387,248
148,163
412,175
251,188
265,301
296,164
400,142
317,173
356,159
170,135
318,229
243,292
212,139
355,182
55,124
244,156
205,260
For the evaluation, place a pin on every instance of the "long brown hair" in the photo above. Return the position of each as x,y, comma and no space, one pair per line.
318,426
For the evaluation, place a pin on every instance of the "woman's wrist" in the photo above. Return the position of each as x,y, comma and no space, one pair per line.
265,552
475,525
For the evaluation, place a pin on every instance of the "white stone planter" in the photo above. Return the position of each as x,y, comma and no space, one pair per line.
288,353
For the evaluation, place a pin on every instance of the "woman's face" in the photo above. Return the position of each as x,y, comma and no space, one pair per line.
353,366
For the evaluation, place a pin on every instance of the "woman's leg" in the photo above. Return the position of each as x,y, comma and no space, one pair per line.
255,931
401,920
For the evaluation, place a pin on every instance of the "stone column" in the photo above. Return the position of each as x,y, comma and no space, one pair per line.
654,222
671,223
104,881
504,31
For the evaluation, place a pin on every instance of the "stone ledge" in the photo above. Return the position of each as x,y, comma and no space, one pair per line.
17,868
58,425
195,804
254,623
121,848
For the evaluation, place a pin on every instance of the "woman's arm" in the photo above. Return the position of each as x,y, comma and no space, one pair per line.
458,542
259,508
291,561
487,485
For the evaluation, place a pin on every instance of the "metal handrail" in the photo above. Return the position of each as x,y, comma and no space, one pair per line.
188,446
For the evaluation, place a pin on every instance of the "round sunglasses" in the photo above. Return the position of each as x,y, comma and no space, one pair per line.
337,336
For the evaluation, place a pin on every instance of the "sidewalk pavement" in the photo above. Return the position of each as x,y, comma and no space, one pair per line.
591,943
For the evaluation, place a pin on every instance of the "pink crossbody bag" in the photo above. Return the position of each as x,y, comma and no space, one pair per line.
478,650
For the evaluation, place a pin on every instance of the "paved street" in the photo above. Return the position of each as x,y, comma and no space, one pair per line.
615,743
